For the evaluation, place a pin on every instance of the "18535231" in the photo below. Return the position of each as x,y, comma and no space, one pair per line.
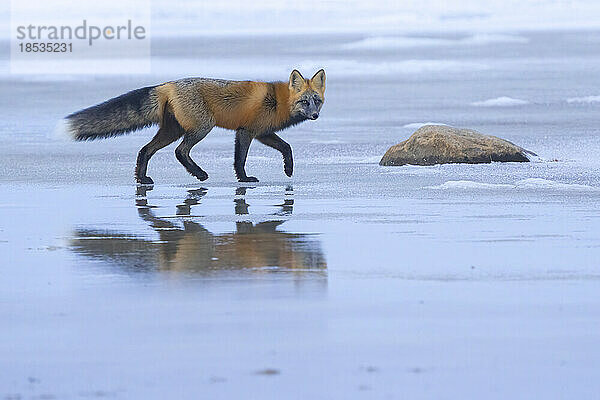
42,47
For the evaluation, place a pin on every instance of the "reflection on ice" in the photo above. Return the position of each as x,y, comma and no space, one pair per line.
186,245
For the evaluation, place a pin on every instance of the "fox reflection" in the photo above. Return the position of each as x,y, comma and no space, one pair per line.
191,247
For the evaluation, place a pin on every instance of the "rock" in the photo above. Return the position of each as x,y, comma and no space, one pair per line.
439,144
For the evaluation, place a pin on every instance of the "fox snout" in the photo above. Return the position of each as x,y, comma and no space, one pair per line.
311,111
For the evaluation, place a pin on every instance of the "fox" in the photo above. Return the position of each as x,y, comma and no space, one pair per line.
192,107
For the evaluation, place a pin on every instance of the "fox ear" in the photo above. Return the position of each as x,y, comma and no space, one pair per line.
318,80
296,81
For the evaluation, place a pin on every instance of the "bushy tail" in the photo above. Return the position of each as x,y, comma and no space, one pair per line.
129,112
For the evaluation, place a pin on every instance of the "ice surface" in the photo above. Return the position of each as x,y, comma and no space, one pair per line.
349,280
358,68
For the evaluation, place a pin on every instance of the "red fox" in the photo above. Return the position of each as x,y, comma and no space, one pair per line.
192,107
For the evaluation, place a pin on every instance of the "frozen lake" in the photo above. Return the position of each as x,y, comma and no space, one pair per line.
349,280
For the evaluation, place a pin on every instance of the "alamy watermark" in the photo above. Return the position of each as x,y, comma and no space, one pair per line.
60,36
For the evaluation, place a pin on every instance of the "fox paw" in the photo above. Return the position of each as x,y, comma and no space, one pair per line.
289,170
201,176
145,180
248,179
198,173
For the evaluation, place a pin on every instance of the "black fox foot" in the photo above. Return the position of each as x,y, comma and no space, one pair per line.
288,169
199,174
248,179
145,180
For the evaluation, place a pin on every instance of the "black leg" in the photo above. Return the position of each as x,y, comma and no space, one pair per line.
242,144
163,137
182,152
169,131
274,141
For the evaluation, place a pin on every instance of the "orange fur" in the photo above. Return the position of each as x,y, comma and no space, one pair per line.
235,105
242,105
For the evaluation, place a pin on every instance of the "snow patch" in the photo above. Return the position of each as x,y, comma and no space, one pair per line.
464,185
530,183
401,42
584,100
417,125
539,183
502,101
485,38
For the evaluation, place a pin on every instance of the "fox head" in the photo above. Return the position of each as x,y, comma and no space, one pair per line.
306,95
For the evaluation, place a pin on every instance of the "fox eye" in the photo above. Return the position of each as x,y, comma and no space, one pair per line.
304,102
318,100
